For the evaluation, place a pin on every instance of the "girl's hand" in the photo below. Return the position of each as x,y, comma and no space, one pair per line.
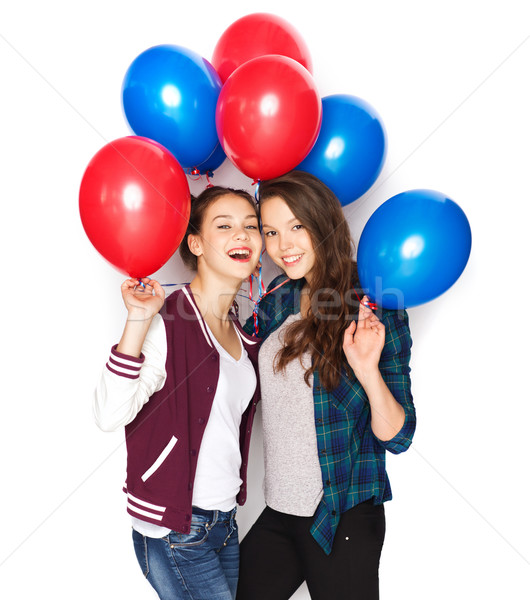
142,301
364,342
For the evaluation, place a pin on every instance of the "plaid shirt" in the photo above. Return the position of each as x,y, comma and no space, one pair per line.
352,459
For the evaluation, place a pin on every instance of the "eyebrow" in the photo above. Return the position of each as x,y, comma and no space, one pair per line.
288,222
231,217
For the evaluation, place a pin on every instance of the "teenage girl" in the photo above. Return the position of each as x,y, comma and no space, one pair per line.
336,396
183,382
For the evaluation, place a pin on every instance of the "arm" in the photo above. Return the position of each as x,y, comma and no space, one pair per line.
136,367
142,304
379,357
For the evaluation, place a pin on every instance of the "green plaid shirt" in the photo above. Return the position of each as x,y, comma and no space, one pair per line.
352,459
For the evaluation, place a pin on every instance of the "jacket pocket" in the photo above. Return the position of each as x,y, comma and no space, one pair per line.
161,458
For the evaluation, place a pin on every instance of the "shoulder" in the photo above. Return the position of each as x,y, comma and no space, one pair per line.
277,281
179,306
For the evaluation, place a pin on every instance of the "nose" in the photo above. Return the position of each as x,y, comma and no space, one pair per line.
241,233
285,242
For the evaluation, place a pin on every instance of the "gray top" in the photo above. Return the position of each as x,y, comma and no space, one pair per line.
293,479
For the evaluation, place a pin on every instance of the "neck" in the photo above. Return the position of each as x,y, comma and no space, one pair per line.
214,295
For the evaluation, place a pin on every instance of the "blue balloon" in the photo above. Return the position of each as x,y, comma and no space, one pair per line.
169,94
413,248
351,148
214,161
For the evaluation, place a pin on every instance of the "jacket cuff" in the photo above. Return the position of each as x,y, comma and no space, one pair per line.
124,365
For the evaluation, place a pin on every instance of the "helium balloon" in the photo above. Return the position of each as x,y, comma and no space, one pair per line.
134,202
254,35
413,248
351,147
268,116
169,94
214,161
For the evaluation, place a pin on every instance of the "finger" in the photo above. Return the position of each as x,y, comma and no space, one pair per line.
372,319
129,284
365,303
379,327
363,317
364,311
158,289
348,334
350,330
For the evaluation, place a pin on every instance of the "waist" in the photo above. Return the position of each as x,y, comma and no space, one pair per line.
215,515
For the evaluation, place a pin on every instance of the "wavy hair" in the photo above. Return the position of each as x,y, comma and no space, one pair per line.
334,292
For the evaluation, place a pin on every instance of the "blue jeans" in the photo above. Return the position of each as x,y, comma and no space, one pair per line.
200,565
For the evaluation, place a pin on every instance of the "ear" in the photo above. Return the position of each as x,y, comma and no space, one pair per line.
194,244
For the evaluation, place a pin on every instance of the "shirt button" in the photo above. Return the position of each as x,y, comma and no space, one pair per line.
328,482
200,420
209,389
333,512
213,357
193,452
323,452
188,518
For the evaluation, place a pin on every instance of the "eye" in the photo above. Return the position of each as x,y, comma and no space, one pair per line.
297,227
251,227
270,233
223,226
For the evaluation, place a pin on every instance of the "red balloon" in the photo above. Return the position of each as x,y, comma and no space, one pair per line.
256,35
134,202
268,116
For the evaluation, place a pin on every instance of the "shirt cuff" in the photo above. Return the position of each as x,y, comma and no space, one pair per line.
402,440
124,365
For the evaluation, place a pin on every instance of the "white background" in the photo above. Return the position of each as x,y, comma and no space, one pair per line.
450,81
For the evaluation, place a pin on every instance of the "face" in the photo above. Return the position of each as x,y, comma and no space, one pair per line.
230,241
286,239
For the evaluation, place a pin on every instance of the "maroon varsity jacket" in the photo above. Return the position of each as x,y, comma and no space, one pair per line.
164,439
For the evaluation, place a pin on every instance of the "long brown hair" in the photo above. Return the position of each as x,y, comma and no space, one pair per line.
334,289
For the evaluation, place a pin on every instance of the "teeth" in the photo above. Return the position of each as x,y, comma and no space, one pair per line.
239,252
291,259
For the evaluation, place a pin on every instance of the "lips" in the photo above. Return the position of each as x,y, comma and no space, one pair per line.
242,254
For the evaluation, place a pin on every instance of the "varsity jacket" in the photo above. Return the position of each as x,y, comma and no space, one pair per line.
164,439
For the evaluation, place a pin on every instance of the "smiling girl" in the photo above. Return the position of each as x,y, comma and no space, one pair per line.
183,382
335,397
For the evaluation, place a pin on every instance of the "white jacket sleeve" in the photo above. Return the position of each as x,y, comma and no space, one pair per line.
128,382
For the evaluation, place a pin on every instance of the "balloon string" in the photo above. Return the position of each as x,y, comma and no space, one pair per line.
235,305
261,294
195,172
208,175
256,182
371,305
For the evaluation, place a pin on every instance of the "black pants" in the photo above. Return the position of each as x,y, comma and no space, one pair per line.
279,553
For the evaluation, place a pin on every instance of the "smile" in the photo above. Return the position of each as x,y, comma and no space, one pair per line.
291,260
240,254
